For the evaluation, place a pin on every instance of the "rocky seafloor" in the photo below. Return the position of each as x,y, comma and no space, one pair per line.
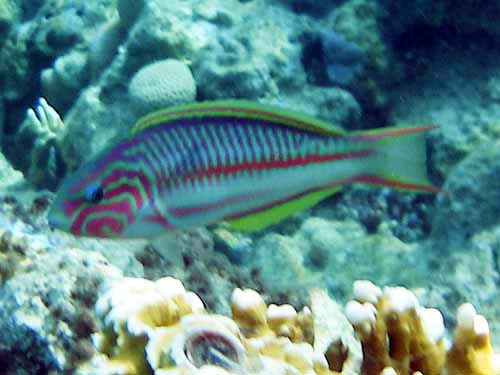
357,63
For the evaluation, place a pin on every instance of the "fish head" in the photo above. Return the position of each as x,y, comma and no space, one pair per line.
103,198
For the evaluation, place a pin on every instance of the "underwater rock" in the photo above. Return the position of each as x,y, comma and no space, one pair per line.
330,59
408,216
231,67
56,29
336,105
465,271
103,48
277,252
240,62
348,251
45,317
86,133
62,82
190,257
236,246
316,8
164,30
359,21
474,193
11,179
249,80
15,69
9,14
129,11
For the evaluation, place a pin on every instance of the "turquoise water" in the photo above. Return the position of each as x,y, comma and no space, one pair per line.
355,64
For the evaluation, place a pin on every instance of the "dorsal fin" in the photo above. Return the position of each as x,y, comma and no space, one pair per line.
237,109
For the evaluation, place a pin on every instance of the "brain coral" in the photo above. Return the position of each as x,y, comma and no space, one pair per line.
161,84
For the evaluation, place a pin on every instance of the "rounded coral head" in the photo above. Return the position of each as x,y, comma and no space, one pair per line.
161,84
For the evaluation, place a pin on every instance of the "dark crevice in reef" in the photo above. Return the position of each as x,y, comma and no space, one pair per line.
12,360
417,45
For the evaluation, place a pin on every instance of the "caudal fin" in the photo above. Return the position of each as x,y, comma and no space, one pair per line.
399,158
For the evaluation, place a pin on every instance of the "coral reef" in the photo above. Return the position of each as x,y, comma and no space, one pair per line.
355,63
87,75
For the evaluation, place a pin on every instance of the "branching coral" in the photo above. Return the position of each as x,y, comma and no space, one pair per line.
471,352
43,128
157,328
400,337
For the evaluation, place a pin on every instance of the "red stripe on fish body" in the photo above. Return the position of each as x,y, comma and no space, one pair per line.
233,167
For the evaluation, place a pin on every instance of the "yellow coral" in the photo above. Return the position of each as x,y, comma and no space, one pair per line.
399,337
131,311
158,328
248,310
471,352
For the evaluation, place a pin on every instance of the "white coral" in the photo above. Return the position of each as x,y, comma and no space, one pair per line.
44,121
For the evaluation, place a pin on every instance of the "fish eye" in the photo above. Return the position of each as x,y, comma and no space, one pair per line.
94,194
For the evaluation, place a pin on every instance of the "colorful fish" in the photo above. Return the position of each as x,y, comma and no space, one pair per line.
245,163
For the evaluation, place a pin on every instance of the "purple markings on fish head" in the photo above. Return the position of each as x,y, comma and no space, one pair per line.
102,198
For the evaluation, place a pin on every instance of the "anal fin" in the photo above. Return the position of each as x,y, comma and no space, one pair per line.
272,215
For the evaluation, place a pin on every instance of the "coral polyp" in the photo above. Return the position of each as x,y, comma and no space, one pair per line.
209,347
